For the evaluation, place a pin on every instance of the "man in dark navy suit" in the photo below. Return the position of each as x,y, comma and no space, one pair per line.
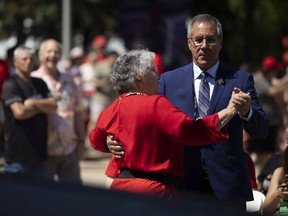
218,169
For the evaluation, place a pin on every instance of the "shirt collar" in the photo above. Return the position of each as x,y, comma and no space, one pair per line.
211,71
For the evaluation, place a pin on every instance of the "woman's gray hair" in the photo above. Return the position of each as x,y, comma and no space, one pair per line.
205,18
127,67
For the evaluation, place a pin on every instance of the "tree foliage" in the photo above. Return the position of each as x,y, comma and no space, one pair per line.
252,28
89,17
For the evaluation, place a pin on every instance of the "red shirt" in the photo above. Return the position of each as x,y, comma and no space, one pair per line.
152,132
4,74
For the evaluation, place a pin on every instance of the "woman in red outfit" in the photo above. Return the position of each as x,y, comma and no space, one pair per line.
151,129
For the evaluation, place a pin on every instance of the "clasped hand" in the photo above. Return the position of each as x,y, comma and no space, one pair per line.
241,101
114,147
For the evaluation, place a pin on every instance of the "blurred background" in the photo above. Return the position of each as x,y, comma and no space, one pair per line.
252,29
93,33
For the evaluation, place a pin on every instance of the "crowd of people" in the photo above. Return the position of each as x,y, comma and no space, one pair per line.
205,127
43,124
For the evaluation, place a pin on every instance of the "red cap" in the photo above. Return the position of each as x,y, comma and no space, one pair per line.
270,62
100,41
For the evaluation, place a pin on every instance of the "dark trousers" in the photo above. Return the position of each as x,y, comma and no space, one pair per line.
237,207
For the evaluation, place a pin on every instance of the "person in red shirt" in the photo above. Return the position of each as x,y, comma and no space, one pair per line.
4,75
151,129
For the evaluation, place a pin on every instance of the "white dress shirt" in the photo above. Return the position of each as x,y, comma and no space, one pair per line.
211,78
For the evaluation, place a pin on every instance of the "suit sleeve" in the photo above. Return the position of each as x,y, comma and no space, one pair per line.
98,136
181,128
258,125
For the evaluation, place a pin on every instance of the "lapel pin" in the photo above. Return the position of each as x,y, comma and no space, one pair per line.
221,81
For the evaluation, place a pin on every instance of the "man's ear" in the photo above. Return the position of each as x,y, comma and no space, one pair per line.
189,44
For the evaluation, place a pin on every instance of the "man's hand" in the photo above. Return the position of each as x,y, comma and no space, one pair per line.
114,147
242,102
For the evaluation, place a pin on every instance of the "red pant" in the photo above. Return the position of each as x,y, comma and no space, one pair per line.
145,186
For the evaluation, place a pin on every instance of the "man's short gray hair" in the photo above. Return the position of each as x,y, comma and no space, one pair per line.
21,48
127,67
204,18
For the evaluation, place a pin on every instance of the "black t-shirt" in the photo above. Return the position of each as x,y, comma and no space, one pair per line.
25,140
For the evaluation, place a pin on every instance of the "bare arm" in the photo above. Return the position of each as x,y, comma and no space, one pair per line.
46,105
22,111
227,114
274,194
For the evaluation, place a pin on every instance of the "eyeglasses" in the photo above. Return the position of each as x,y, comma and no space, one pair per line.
199,40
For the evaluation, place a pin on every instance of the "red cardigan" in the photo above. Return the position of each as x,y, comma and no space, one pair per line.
152,132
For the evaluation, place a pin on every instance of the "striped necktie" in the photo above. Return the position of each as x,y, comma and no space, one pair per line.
204,95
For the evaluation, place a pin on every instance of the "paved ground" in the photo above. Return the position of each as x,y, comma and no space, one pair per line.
92,171
93,168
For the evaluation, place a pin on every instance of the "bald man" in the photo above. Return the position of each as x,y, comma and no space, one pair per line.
66,132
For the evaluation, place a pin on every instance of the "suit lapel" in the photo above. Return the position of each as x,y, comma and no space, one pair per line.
219,87
188,77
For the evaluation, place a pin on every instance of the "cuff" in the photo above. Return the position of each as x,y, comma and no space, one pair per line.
249,115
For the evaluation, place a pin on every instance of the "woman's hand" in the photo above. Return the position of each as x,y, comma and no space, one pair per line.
115,147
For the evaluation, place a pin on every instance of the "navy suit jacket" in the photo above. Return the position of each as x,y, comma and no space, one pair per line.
225,161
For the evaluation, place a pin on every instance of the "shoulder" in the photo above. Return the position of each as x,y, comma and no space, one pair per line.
231,71
277,176
145,102
175,79
10,83
157,100
278,171
176,71
37,73
38,80
154,97
11,92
